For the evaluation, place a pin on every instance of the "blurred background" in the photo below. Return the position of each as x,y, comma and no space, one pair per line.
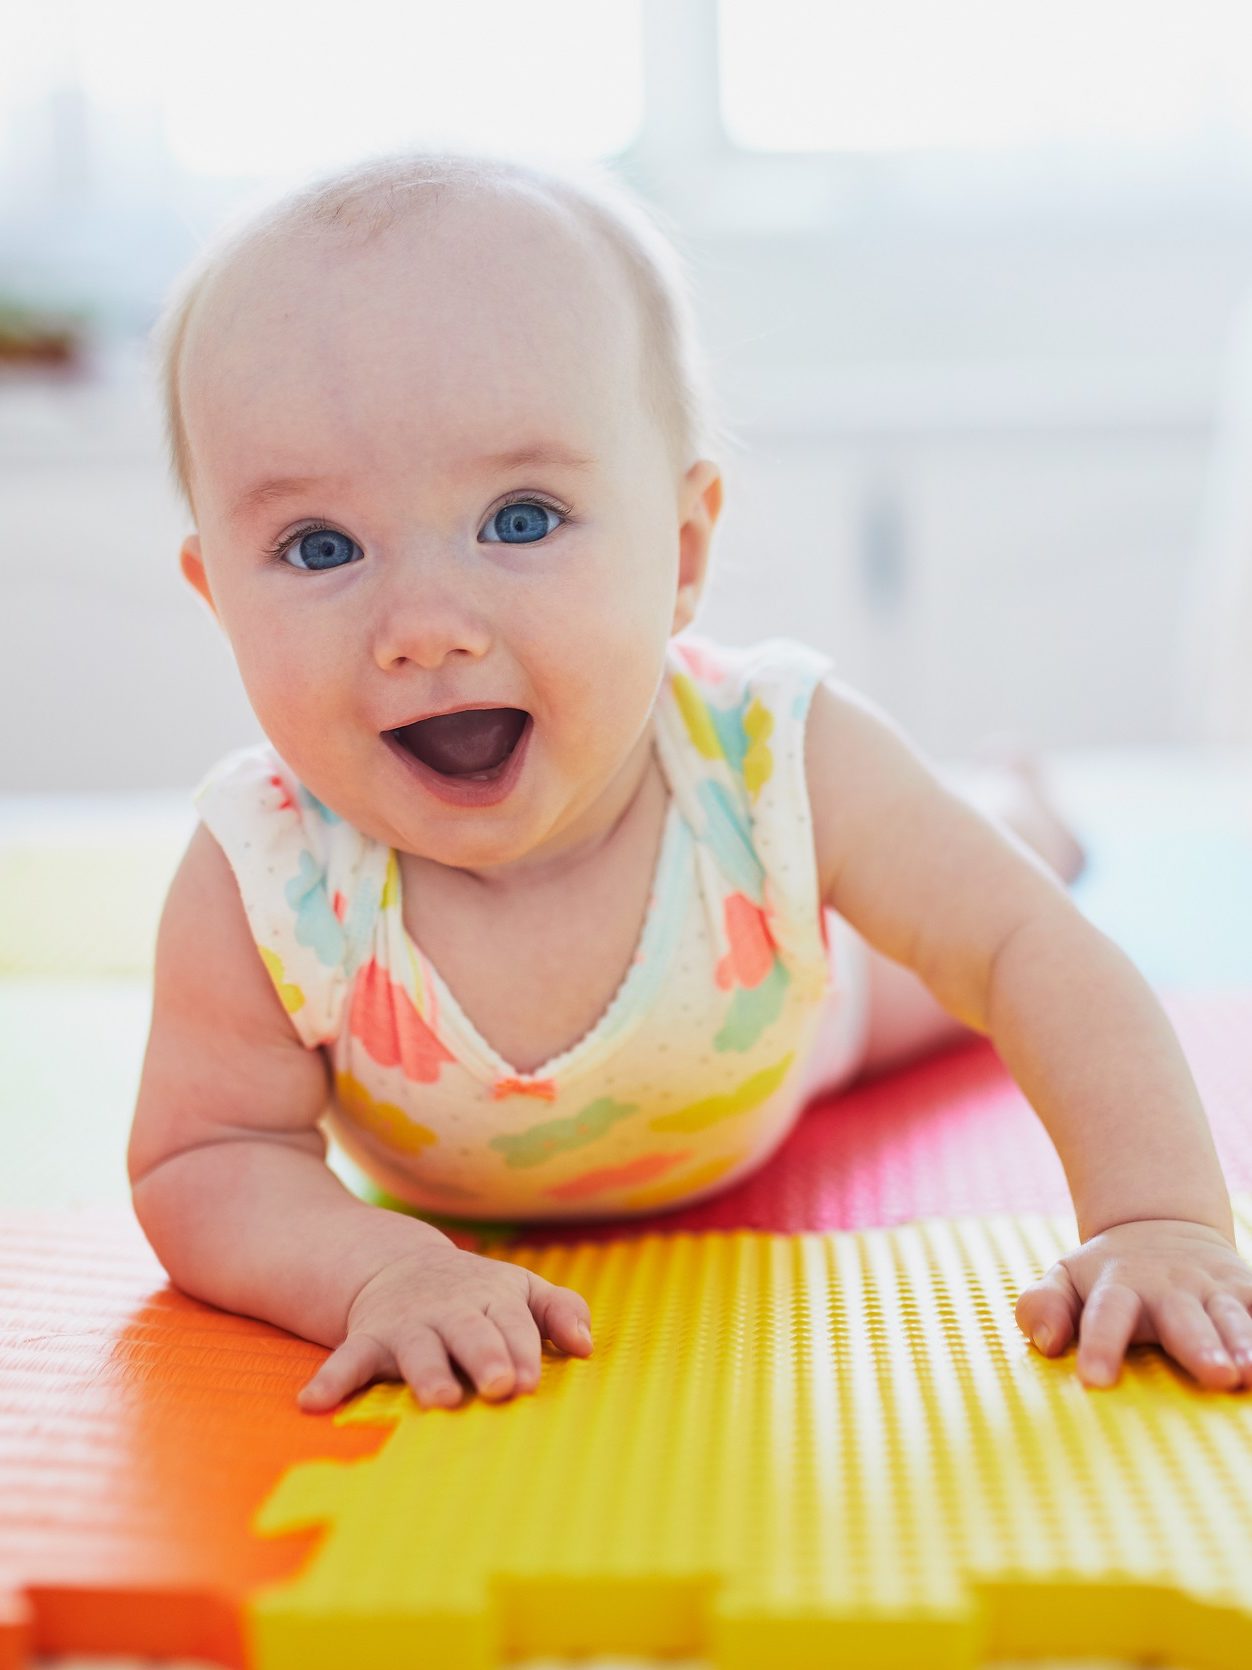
972,279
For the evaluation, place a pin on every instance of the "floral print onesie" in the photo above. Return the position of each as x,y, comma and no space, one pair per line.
744,996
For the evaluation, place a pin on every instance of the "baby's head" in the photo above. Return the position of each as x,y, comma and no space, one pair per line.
385,336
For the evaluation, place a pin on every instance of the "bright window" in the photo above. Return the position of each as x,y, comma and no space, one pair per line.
897,75
296,86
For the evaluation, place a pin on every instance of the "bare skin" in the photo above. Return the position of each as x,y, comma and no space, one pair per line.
905,1021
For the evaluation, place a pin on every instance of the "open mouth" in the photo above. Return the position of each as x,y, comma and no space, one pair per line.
474,745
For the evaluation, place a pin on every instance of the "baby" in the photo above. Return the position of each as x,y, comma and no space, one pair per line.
542,909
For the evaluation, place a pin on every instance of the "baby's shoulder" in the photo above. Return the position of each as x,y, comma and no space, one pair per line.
870,787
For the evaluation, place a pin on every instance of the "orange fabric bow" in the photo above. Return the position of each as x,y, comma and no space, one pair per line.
545,1088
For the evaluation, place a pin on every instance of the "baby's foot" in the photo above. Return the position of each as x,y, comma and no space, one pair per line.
1027,807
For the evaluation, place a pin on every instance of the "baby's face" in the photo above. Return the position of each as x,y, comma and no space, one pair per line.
387,378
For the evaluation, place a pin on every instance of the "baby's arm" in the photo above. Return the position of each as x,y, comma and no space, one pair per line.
230,1185
990,930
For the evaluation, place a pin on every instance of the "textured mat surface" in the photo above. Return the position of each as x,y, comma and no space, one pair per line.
803,1449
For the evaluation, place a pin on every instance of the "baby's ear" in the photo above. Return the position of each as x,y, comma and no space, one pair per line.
699,507
192,565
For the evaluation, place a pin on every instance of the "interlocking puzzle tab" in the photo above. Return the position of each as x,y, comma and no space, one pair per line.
806,1449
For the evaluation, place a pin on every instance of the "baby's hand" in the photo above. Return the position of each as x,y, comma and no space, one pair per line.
1161,1281
440,1302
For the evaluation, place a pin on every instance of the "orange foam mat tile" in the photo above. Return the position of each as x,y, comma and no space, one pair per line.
816,1448
139,1431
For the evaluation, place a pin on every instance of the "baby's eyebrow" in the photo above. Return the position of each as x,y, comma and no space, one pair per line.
265,492
543,454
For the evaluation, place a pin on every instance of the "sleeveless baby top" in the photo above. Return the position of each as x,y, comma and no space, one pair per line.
692,1076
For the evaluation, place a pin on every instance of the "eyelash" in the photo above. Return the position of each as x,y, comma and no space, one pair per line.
277,552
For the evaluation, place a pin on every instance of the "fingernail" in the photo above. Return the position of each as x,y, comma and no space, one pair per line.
1043,1338
585,1331
1100,1374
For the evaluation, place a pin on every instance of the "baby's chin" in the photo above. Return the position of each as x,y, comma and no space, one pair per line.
492,842
527,849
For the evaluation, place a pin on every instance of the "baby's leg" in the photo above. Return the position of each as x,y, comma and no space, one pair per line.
905,1021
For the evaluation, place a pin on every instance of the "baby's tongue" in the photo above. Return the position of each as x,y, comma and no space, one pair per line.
476,739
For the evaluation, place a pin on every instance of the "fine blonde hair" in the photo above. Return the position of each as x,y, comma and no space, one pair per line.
370,196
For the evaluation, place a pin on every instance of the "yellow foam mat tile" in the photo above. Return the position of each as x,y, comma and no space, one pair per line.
809,1450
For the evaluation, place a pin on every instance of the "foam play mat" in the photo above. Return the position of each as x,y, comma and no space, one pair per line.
795,1443
806,1449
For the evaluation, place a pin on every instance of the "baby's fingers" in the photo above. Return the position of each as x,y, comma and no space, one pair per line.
1109,1320
354,1363
1048,1310
1234,1324
563,1316
1187,1332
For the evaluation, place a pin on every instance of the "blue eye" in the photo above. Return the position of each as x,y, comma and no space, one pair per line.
526,518
317,547
320,546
